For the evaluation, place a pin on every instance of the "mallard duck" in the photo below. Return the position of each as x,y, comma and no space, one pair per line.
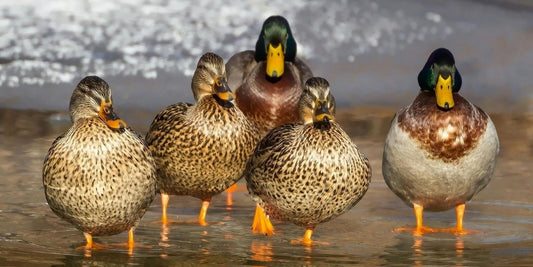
307,172
268,81
99,175
440,150
202,149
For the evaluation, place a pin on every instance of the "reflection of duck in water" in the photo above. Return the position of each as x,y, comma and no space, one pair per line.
268,81
99,175
308,172
441,150
202,149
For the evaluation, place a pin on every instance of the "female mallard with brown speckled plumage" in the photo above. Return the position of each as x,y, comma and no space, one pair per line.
308,172
99,175
268,81
202,149
440,150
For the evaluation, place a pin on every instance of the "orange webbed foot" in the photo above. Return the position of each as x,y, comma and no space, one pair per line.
417,231
262,224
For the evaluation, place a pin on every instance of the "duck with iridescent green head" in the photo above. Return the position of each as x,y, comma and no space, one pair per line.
268,82
441,149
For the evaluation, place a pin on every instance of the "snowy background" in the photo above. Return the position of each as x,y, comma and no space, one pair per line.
370,51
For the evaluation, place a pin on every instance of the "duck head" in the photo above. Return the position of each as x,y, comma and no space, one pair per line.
440,75
91,98
210,80
316,104
275,45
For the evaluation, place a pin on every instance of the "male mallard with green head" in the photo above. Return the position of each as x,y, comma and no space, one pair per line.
440,150
268,81
202,149
99,175
307,172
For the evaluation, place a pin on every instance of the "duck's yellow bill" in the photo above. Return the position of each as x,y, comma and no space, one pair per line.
107,114
443,92
275,61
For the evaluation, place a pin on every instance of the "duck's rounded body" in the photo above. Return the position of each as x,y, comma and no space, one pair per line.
308,172
268,88
441,150
98,176
439,159
201,149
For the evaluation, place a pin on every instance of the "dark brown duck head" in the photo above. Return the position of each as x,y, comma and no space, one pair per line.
210,80
316,104
92,98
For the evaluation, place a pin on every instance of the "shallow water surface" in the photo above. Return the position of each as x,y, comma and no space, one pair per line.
501,215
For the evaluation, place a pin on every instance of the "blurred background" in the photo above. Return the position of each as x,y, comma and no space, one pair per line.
369,51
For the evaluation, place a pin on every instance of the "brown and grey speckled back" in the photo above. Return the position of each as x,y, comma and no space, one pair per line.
100,180
307,174
201,149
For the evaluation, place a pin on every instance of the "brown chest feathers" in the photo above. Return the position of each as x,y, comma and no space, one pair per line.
446,135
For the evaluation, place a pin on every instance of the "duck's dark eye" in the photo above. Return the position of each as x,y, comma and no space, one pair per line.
278,54
106,110
441,86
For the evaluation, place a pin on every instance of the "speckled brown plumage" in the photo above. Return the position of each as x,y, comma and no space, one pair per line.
99,179
201,149
308,172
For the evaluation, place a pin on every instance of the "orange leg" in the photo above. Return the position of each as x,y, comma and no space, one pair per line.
306,240
131,243
229,192
203,212
420,228
307,236
459,230
262,224
90,245
164,204
89,239
460,210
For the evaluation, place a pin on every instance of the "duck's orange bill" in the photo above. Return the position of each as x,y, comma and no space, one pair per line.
322,111
275,61
222,89
107,114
